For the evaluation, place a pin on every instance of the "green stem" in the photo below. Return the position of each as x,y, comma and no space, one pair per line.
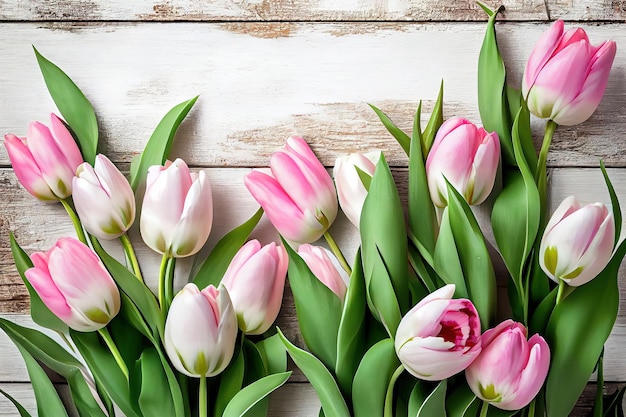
541,177
484,409
563,291
77,224
169,281
132,257
337,252
162,274
202,397
598,407
531,409
388,412
106,336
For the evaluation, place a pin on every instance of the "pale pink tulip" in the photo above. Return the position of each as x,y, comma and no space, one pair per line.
255,280
439,337
320,263
74,284
350,188
103,199
510,370
467,156
45,161
200,331
299,196
566,76
177,211
578,242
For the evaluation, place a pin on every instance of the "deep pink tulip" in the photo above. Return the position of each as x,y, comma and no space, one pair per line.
439,337
103,199
200,331
467,156
319,262
566,76
74,284
177,211
350,188
45,161
299,196
578,242
255,280
510,371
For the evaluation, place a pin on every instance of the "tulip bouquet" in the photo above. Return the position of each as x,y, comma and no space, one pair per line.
410,327
208,350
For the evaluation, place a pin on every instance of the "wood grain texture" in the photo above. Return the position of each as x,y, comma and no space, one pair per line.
317,10
261,82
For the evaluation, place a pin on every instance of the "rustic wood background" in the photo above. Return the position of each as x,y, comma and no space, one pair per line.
266,69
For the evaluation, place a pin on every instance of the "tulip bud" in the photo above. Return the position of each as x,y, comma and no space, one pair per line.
45,161
566,76
73,283
177,210
578,242
439,337
319,262
350,188
510,370
255,280
467,156
299,196
200,331
103,199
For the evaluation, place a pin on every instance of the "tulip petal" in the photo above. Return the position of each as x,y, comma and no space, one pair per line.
26,169
65,141
541,53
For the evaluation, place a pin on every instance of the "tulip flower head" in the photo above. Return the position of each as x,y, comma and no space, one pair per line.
566,76
299,196
103,199
510,370
467,156
319,262
350,189
200,331
177,211
578,242
73,283
439,337
45,161
255,280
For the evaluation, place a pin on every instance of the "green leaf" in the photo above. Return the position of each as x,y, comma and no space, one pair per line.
255,369
446,258
155,396
18,406
215,265
321,379
317,307
462,402
479,275
435,404
73,105
49,353
492,101
253,393
40,313
434,123
351,339
576,333
274,354
617,212
372,378
403,139
384,249
160,143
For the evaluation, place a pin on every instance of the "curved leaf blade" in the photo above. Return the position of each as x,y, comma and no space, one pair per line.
20,409
253,393
435,403
403,139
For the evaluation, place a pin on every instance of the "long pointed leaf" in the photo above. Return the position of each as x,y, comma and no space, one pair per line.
617,212
434,123
253,393
20,409
403,139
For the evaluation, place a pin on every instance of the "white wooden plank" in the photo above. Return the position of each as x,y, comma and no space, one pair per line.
259,83
324,10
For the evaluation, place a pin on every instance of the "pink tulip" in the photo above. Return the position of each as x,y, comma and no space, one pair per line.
103,199
439,337
177,210
350,188
320,263
510,371
255,280
467,156
566,76
45,161
200,331
299,196
578,242
74,284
